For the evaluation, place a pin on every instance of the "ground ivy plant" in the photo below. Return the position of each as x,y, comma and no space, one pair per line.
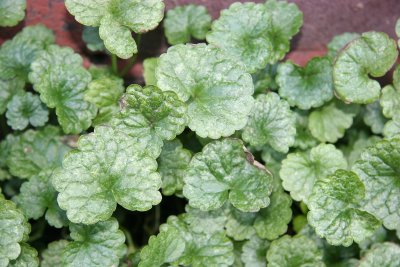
223,153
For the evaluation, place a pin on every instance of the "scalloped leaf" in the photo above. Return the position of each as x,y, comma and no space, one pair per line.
59,77
151,116
34,151
303,139
172,164
106,169
101,244
294,251
301,170
14,229
307,87
329,123
254,251
183,22
117,18
386,254
256,34
339,42
378,170
12,12
371,55
91,37
223,172
52,255
390,100
271,122
392,127
27,258
9,88
17,54
374,118
38,197
24,109
218,91
335,210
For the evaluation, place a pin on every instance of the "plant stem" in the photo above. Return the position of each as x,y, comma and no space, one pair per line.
132,60
114,63
131,245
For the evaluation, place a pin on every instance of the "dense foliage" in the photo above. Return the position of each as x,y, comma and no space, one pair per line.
226,155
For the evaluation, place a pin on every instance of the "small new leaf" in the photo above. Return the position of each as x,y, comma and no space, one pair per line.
52,256
301,170
218,91
27,258
101,244
371,55
384,254
106,169
271,122
307,87
183,22
222,172
339,42
25,109
335,209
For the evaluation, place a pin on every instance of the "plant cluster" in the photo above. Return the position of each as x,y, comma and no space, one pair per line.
269,163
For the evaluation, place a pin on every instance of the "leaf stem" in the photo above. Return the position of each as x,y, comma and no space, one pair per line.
131,244
114,64
132,60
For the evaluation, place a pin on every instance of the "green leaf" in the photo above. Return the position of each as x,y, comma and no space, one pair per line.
385,254
297,251
218,91
256,34
182,22
27,258
359,146
9,88
172,165
38,197
35,151
117,18
91,37
59,77
371,55
201,249
149,70
117,38
335,210
264,79
390,100
223,171
392,127
208,222
106,169
101,244
254,251
242,32
151,116
271,122
14,229
104,91
374,118
11,12
379,172
339,42
328,124
273,221
286,22
166,247
307,87
301,170
25,109
52,255
303,139
5,147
